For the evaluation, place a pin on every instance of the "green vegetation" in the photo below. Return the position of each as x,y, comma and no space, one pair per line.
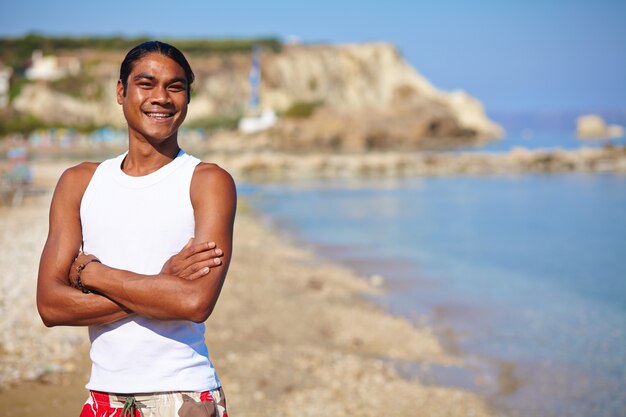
13,122
15,52
200,46
17,83
19,123
214,123
302,109
82,86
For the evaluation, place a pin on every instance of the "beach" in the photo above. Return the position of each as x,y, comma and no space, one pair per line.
524,270
292,334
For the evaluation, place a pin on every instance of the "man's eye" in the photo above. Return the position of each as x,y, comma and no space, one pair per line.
145,85
176,87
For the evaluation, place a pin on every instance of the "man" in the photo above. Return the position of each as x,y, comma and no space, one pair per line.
143,298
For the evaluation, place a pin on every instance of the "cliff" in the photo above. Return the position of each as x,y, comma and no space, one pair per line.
368,96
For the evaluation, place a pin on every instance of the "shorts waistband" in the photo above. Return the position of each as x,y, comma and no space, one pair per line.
110,398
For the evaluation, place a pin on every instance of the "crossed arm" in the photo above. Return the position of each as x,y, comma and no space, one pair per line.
118,293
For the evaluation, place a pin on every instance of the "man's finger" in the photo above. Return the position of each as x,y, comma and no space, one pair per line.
191,264
199,274
200,247
205,256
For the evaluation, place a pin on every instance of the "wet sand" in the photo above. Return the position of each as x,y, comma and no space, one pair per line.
291,335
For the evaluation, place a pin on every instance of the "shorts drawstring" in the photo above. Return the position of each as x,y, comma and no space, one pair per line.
130,405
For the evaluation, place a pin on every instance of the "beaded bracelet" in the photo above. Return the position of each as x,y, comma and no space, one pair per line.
80,269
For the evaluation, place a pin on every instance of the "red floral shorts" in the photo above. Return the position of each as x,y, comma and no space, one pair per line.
159,404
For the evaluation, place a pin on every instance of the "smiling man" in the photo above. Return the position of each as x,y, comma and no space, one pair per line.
113,259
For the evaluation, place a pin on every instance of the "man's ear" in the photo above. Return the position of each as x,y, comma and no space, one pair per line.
120,92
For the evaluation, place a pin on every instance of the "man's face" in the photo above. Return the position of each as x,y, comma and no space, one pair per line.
155,104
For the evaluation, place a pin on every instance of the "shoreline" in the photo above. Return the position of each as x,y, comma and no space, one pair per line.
487,376
341,220
282,309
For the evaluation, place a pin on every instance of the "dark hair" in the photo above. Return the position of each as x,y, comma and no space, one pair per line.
156,47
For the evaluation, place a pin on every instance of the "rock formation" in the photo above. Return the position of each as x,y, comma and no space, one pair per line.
592,126
370,98
257,165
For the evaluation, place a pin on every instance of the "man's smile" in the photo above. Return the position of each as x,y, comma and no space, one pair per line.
159,115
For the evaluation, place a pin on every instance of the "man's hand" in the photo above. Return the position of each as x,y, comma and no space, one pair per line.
75,269
194,260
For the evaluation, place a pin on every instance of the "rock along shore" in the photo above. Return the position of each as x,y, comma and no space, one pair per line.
272,165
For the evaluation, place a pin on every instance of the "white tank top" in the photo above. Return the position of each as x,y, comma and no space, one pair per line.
136,224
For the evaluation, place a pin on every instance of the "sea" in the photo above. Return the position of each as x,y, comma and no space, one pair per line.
524,275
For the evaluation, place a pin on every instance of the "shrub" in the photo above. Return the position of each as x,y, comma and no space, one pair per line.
302,109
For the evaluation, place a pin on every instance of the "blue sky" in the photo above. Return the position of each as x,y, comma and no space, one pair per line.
551,55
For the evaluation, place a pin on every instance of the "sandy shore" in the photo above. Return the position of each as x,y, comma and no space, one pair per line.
291,335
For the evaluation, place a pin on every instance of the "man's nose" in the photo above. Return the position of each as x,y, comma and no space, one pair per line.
160,95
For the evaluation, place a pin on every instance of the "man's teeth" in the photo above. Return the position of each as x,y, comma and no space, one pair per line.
159,114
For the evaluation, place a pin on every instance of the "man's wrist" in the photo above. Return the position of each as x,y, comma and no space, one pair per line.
80,278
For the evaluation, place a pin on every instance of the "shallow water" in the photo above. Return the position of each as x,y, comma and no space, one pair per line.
542,138
525,275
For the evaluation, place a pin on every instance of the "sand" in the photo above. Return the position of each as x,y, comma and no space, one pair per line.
292,334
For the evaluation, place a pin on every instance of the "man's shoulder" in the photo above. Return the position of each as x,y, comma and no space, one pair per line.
83,169
76,178
208,171
209,176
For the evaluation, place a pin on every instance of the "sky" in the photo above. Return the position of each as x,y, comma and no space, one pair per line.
514,56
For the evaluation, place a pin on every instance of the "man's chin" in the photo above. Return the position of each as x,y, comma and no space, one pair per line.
157,137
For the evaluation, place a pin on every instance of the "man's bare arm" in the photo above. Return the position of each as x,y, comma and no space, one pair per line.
214,199
57,302
61,304
163,296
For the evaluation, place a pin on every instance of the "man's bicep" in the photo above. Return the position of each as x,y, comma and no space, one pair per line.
57,302
214,199
215,202
64,235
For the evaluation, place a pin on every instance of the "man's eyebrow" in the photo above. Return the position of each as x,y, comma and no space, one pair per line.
178,80
144,75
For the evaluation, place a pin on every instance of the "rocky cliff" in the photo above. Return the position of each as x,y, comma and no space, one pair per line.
369,98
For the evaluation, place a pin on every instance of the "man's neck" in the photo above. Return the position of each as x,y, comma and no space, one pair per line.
144,158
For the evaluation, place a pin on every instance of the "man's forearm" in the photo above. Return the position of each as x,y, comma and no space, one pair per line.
67,306
160,296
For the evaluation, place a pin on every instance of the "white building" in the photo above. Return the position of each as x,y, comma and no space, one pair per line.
5,84
50,68
266,120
